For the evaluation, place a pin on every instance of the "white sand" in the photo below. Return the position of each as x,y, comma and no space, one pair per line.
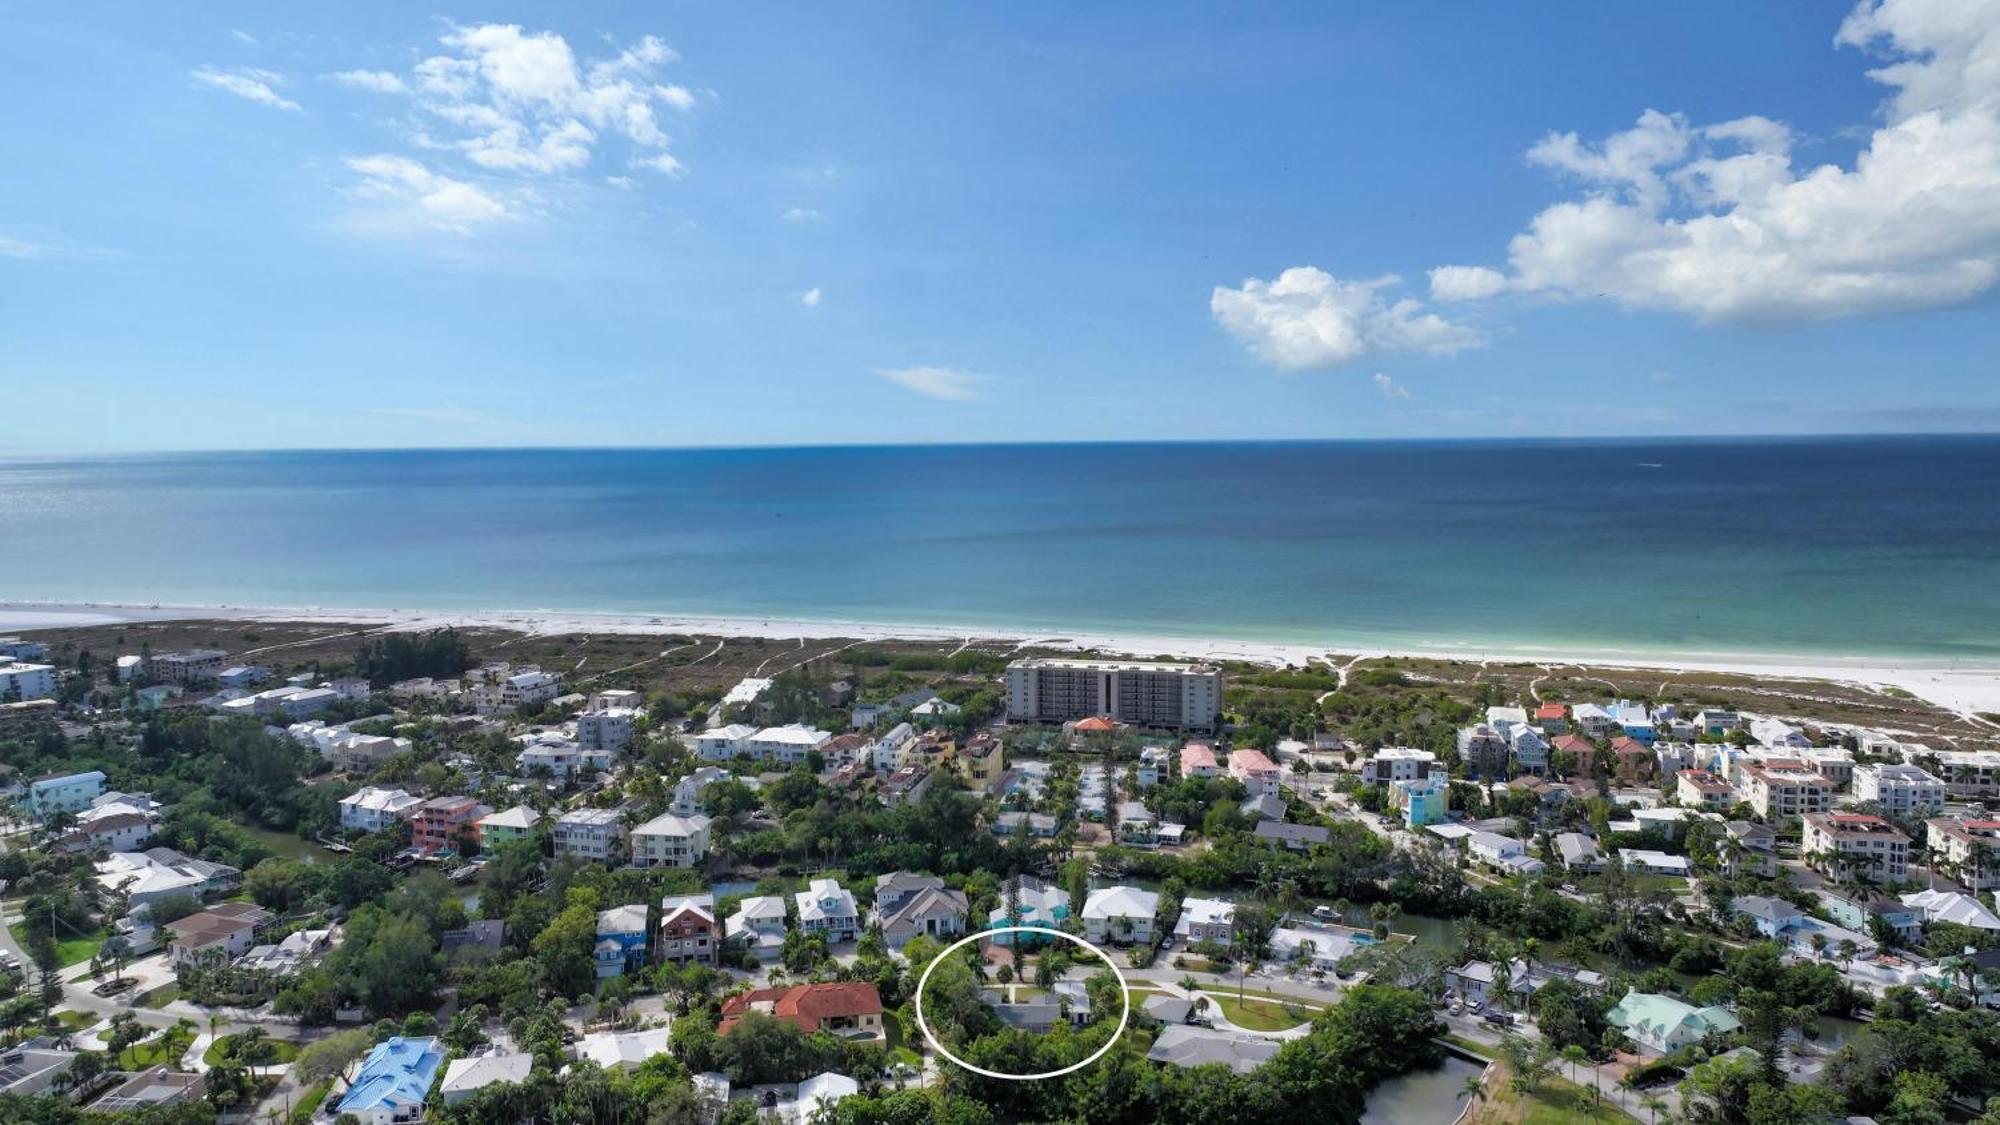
1957,686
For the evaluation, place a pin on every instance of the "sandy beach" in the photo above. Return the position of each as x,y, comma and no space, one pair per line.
1962,688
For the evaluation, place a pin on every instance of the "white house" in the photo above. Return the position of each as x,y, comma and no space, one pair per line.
827,907
1120,915
64,792
759,925
609,730
1778,735
589,833
787,745
887,751
1653,863
687,791
670,841
370,809
719,744
1206,919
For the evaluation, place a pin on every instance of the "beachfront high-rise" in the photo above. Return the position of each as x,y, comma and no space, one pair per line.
1143,693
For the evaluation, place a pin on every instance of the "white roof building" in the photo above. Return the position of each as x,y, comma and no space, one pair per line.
622,1050
1952,906
467,1076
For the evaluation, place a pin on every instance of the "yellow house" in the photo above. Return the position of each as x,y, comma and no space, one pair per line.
982,761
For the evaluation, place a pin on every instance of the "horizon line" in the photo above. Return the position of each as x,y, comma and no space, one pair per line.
1500,439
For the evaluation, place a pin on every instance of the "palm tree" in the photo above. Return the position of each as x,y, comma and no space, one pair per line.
1653,1105
1474,1088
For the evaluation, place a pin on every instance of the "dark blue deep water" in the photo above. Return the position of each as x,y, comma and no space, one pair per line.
1825,545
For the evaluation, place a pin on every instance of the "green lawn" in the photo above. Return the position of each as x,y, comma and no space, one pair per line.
302,1113
159,997
164,1049
74,1021
1556,1101
71,951
285,844
280,1052
1255,1014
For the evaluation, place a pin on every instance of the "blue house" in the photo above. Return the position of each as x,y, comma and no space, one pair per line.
394,1081
621,940
1635,721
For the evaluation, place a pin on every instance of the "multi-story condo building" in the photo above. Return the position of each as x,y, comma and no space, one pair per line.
1485,752
1968,775
609,730
1151,694
670,841
64,792
526,688
1258,773
687,929
1868,845
1899,789
1703,790
1967,849
195,667
595,834
1784,787
20,682
371,809
436,824
1397,763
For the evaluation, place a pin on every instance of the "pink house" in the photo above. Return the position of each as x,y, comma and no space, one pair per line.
1258,773
1198,760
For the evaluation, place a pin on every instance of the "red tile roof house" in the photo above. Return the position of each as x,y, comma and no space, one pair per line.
1198,760
849,1009
1635,760
1258,773
1553,718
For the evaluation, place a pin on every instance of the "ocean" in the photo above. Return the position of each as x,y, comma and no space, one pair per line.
1884,546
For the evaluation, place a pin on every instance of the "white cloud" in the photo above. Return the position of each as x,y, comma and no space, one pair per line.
242,36
1389,387
247,82
424,197
622,183
1465,283
379,81
1717,222
811,297
519,101
663,163
800,215
947,383
1308,319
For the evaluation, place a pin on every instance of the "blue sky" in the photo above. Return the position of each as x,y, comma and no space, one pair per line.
377,224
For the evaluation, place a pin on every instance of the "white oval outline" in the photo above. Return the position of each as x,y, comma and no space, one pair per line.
1124,993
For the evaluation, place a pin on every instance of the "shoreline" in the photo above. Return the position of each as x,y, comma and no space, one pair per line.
1957,686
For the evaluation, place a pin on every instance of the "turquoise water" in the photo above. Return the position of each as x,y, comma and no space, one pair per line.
1868,546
